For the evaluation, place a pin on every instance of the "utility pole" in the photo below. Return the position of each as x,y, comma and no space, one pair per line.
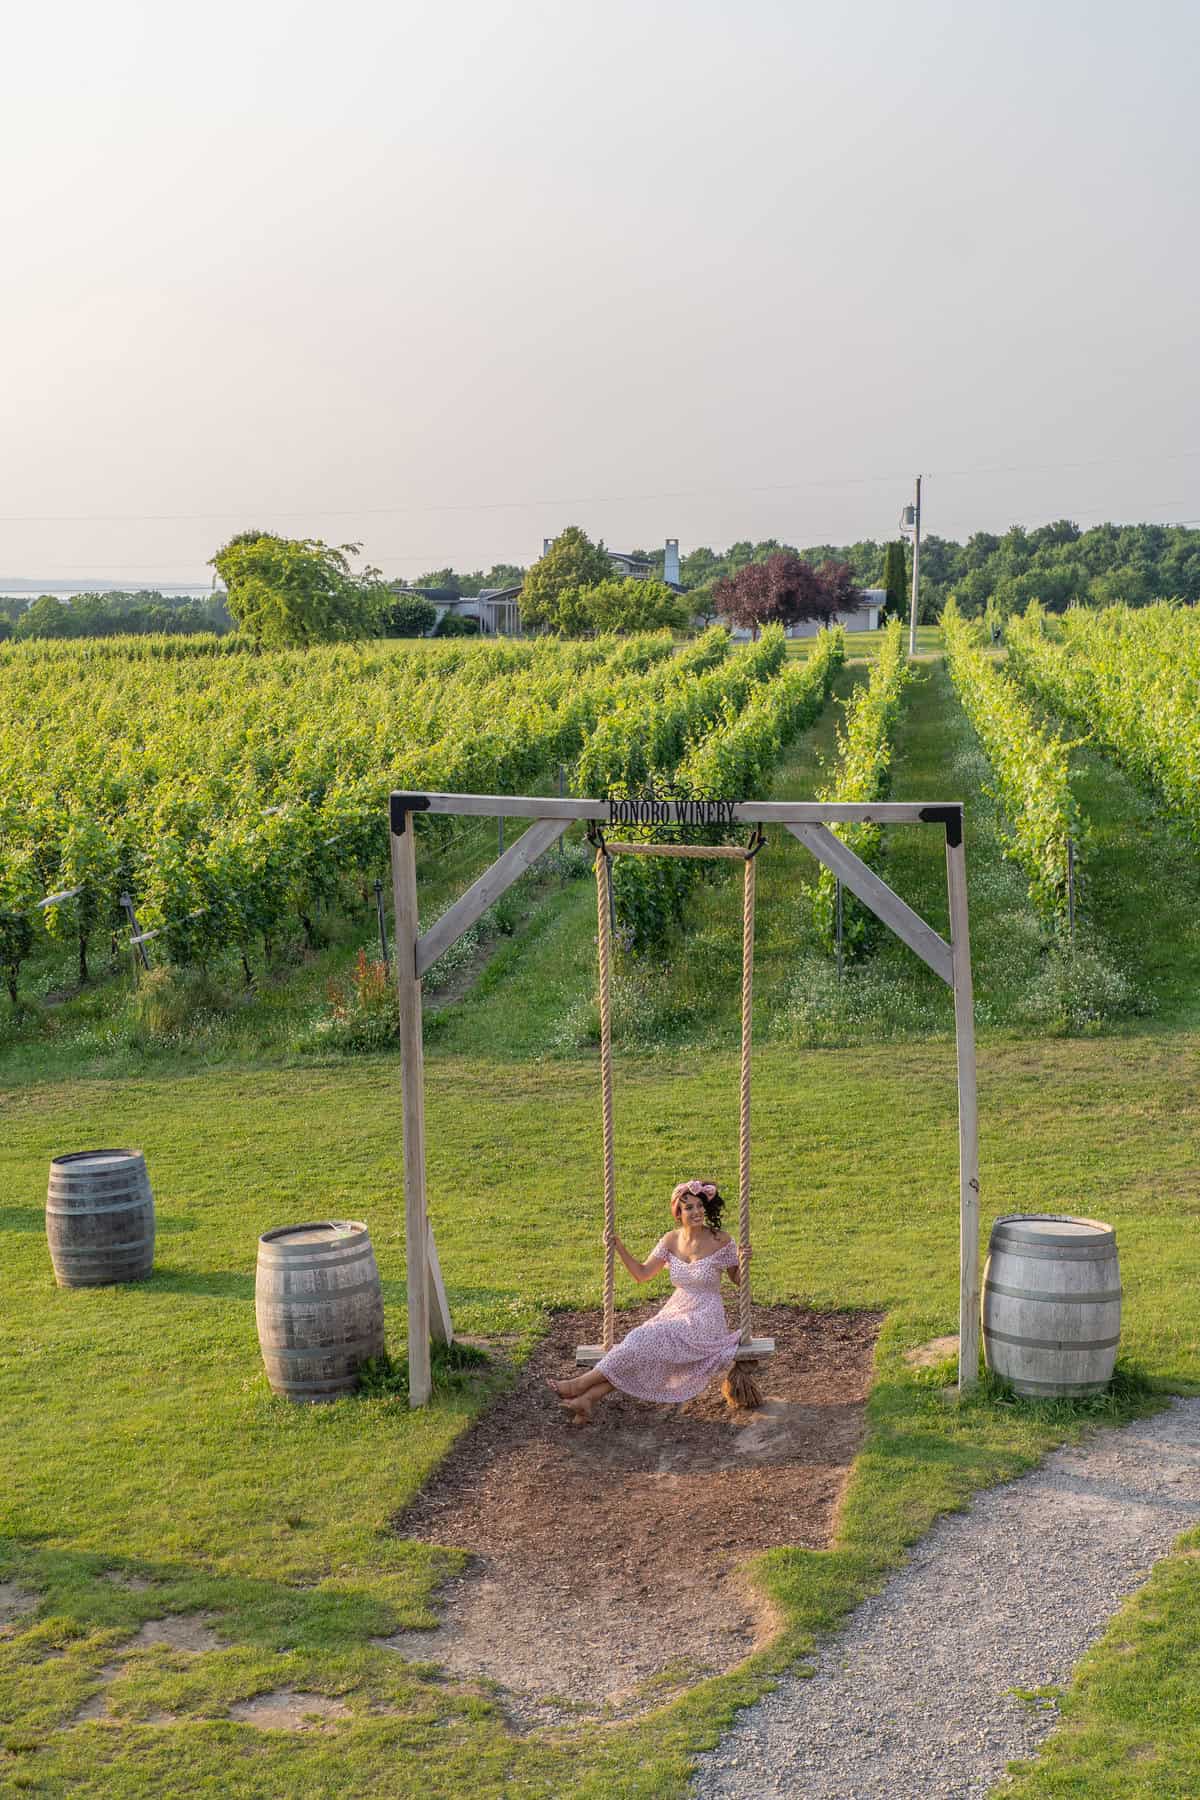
916,579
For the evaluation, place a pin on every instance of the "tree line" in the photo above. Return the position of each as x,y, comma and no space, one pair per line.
112,614
1059,565
295,591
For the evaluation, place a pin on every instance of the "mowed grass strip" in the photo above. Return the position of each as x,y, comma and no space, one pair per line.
148,1470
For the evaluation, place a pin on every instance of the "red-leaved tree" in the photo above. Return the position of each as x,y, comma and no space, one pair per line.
785,590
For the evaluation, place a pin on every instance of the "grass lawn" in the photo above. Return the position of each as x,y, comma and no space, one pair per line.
141,1439
148,1470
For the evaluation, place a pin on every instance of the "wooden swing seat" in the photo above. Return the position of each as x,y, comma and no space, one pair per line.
757,1350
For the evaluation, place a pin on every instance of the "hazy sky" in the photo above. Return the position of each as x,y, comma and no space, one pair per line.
446,278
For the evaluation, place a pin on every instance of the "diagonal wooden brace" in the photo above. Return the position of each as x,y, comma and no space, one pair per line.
883,902
440,1325
487,890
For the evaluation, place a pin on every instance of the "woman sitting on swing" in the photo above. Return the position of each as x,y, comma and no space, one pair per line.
674,1355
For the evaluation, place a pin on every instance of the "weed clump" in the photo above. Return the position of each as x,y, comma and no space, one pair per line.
362,1009
173,1004
454,1368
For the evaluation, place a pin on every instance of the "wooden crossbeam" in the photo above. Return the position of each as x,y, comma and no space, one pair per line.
487,890
743,812
882,900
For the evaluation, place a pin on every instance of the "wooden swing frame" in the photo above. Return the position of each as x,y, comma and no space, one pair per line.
809,822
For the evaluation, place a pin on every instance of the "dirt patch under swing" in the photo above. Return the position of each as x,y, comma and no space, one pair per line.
604,1565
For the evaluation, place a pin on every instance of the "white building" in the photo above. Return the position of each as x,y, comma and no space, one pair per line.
866,618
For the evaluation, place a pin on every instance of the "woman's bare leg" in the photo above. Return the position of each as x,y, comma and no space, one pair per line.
576,1385
580,1406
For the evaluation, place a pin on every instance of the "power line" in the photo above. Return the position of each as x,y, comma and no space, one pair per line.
549,502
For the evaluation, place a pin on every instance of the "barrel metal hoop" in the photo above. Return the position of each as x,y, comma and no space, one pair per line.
1017,1293
1001,1239
126,1181
1029,1343
1044,1253
315,1352
267,1295
324,1259
1060,1389
88,1212
71,1252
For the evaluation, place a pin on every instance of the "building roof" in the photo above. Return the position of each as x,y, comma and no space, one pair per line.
439,595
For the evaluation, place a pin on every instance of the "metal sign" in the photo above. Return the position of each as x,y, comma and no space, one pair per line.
669,809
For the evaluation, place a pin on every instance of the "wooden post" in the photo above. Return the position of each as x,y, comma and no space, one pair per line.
412,1084
137,947
968,1115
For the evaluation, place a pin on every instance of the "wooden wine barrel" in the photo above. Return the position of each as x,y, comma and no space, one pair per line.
100,1218
319,1306
1052,1304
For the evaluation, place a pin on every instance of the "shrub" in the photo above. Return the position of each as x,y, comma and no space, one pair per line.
362,1009
456,625
409,615
170,1002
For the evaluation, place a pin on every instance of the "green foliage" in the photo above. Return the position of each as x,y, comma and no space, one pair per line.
500,575
454,1367
297,591
895,579
115,613
1131,680
89,859
362,1009
613,605
171,1002
47,617
1057,563
718,737
408,615
16,941
456,625
1031,769
863,774
571,562
231,793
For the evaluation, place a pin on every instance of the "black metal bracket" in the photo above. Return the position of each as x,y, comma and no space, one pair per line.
758,838
402,805
595,837
949,816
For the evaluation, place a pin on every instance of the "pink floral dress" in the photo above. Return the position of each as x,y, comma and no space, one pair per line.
675,1355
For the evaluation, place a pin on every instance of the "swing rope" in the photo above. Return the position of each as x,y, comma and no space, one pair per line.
604,944
744,1112
604,923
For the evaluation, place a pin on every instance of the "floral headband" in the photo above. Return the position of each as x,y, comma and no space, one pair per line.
707,1189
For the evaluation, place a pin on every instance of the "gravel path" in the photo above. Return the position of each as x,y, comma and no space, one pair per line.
910,1701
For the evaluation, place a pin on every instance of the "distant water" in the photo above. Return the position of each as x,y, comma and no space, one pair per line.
30,590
